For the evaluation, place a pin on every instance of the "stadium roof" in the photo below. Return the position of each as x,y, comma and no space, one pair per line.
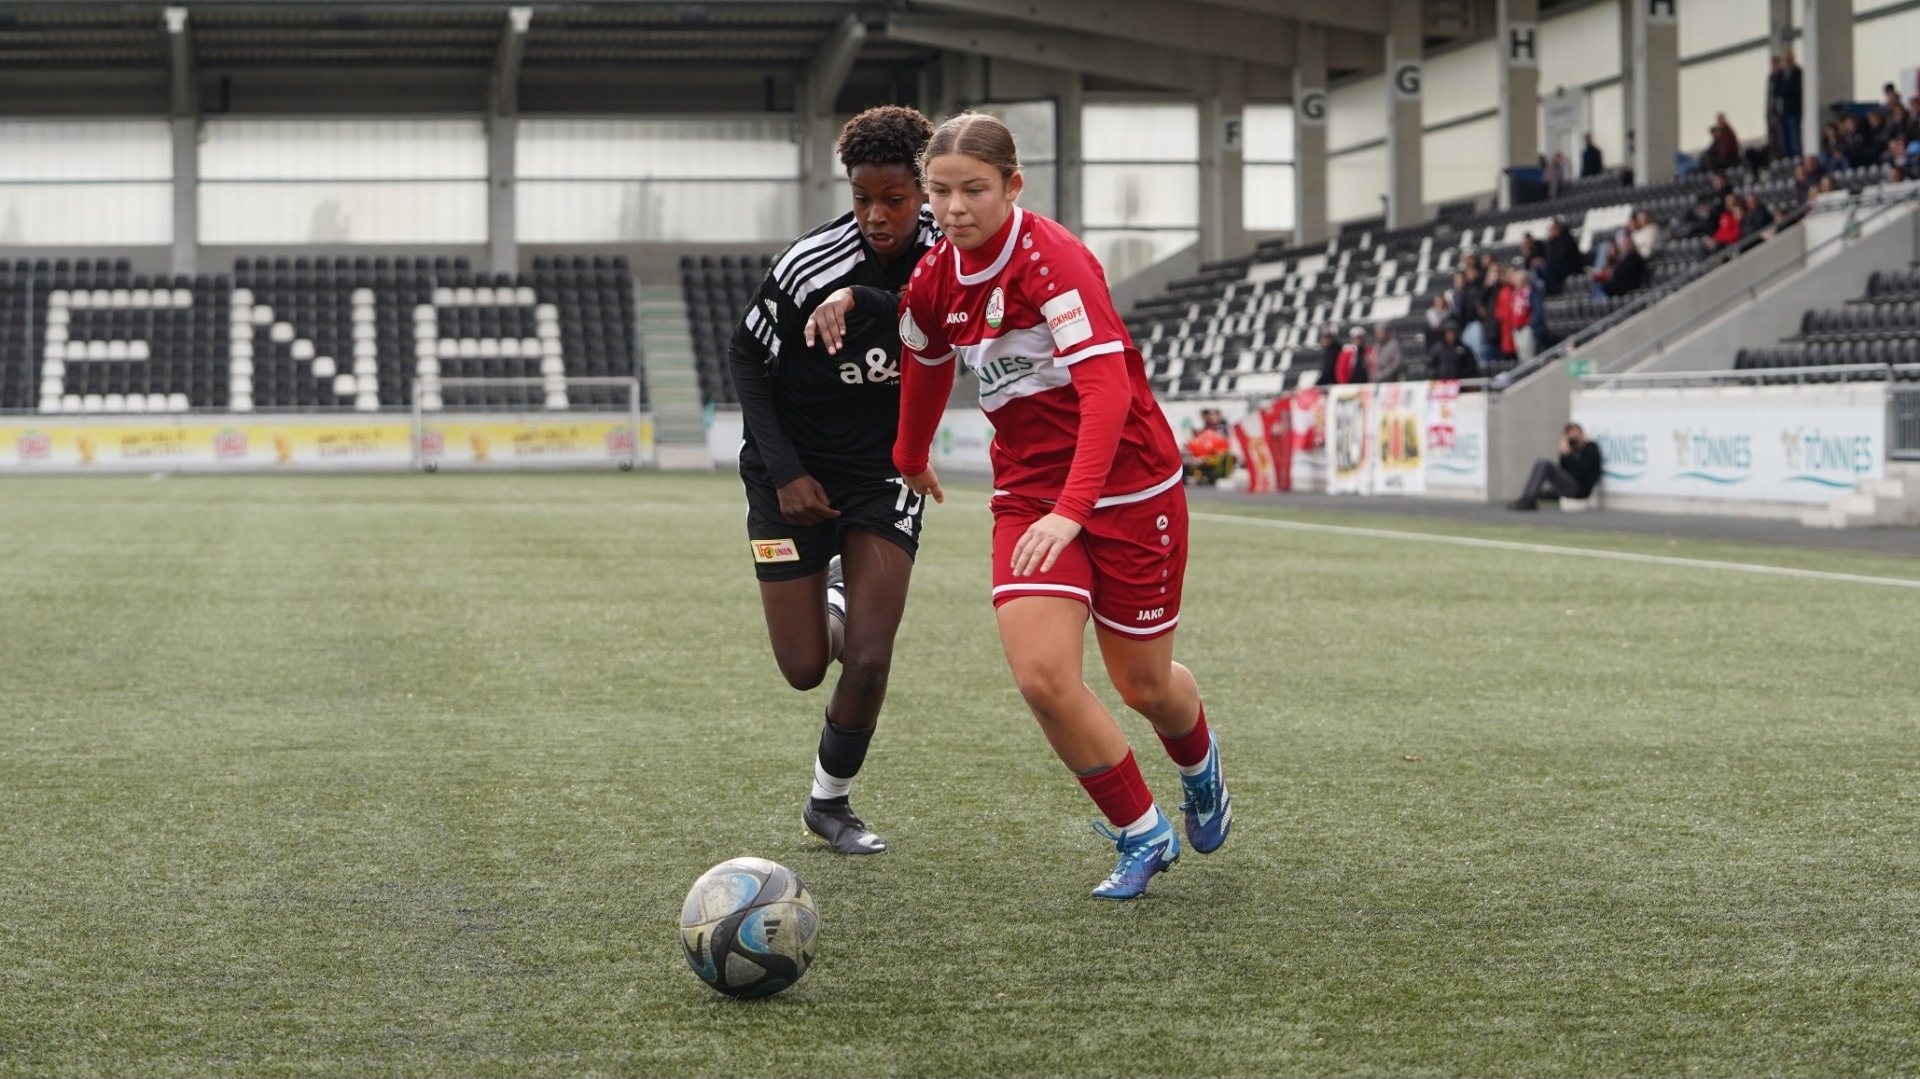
267,56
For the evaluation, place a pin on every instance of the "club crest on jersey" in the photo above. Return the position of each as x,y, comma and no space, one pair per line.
910,334
775,550
996,307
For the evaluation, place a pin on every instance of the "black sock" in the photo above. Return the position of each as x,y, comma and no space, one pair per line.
842,752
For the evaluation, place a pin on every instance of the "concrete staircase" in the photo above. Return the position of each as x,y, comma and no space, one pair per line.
1889,503
673,384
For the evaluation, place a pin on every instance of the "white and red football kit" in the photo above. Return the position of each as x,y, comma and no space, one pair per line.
1076,429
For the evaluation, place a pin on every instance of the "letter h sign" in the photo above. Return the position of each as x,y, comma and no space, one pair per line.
1522,45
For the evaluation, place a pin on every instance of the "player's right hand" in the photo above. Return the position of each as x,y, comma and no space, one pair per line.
926,485
804,502
828,324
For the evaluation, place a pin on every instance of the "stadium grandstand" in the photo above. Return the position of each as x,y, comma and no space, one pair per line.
288,207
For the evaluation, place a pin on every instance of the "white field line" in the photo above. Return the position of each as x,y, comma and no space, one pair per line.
1548,548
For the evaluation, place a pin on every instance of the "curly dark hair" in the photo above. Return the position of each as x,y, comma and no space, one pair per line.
888,135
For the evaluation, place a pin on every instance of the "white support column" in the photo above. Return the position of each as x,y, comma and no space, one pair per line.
1070,159
1656,88
1519,36
1223,231
503,111
822,186
184,115
1405,203
1826,63
1310,136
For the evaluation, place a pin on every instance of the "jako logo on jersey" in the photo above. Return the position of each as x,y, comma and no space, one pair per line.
1067,319
957,317
779,550
996,307
910,334
1148,616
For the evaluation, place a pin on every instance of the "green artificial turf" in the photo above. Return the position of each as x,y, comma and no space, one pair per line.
407,776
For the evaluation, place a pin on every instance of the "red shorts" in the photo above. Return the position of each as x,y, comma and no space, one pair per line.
1127,565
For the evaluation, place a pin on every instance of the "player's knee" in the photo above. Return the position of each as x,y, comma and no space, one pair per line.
1144,691
865,669
1045,690
802,673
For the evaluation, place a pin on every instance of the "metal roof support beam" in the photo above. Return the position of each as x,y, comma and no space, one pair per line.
1180,24
822,190
1177,69
503,122
183,115
1367,16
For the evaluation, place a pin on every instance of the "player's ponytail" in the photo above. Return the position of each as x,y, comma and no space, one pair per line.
975,135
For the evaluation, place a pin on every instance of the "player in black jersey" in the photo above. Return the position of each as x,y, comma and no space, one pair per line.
832,528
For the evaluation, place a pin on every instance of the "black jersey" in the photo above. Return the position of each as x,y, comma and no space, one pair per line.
803,409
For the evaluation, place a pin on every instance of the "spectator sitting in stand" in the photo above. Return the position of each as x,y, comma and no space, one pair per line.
1574,476
1727,233
1757,217
1448,358
1646,234
1896,174
1385,361
1563,259
1591,163
1441,311
1627,270
1702,219
1724,151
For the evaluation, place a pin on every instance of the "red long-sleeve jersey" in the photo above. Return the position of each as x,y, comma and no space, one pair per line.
1029,313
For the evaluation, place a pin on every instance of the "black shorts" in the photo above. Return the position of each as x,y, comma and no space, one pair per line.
783,551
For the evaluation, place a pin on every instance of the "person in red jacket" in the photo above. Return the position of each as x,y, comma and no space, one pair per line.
1090,516
1728,232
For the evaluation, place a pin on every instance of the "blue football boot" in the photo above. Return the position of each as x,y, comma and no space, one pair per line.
1209,808
1140,858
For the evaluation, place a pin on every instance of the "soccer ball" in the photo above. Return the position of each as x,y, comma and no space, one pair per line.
748,926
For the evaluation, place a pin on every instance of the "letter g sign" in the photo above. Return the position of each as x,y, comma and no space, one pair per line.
1406,81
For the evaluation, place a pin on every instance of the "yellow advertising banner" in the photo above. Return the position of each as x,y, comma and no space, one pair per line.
200,443
477,442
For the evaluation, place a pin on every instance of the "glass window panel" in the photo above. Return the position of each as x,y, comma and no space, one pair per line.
1041,195
1034,126
1165,196
1583,46
1128,131
657,149
1357,113
1269,134
705,211
86,150
1706,25
1703,95
343,212
1465,80
343,150
1125,252
49,214
1266,201
1459,161
1357,184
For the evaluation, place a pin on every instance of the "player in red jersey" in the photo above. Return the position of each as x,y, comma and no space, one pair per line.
1089,513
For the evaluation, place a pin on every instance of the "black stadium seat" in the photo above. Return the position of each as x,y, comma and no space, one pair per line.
193,359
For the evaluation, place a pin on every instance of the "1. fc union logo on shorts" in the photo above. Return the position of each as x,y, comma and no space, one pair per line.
775,550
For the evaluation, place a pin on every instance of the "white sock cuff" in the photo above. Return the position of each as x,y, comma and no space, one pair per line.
1145,824
829,786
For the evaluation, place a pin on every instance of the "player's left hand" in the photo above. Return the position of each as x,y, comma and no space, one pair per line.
828,324
1039,548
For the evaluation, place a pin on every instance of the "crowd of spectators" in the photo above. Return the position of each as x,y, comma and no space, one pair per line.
1494,313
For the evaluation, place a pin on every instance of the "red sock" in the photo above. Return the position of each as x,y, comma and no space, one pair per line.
1190,748
1120,792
